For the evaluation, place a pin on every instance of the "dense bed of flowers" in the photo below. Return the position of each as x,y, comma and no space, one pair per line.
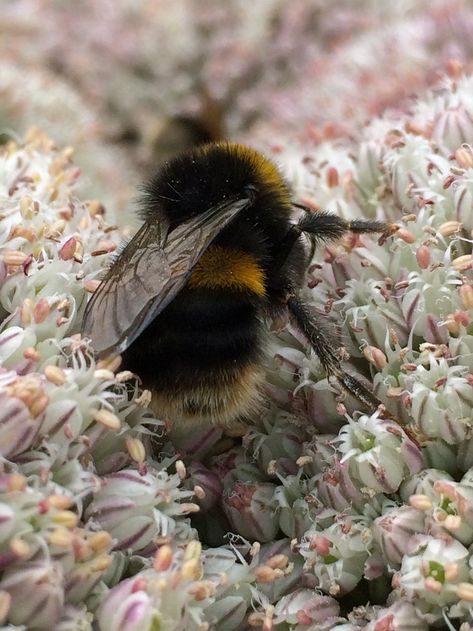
319,516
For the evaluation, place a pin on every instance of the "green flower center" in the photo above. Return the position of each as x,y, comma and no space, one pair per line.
447,506
437,571
367,442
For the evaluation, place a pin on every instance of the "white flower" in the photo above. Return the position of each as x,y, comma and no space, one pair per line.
433,573
372,446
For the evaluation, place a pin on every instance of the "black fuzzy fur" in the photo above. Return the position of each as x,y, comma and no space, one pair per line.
205,334
204,331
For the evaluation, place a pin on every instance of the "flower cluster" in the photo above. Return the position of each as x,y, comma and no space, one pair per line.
321,516
72,431
391,506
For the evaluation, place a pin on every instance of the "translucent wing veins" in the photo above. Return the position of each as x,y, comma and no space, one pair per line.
149,272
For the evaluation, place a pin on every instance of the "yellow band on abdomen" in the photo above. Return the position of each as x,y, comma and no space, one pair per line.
228,268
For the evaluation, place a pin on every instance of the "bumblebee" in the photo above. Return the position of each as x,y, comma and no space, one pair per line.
217,256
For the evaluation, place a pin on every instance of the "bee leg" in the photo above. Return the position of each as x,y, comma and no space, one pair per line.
325,226
320,335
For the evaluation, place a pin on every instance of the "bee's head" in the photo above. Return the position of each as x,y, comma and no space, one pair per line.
195,181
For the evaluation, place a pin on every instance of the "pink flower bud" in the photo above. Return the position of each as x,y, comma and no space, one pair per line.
250,509
423,256
209,481
406,235
68,249
18,426
126,608
393,532
37,593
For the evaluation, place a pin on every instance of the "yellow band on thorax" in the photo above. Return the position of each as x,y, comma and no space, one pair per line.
228,268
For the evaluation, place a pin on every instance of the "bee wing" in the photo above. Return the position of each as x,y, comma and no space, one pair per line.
149,272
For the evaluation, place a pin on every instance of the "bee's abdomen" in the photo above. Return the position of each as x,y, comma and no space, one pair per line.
201,357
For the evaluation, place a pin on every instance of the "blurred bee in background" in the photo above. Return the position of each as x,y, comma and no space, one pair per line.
187,299
161,139
172,136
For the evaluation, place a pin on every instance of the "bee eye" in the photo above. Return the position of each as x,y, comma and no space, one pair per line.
250,192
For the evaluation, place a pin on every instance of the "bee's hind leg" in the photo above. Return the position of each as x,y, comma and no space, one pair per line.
320,334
